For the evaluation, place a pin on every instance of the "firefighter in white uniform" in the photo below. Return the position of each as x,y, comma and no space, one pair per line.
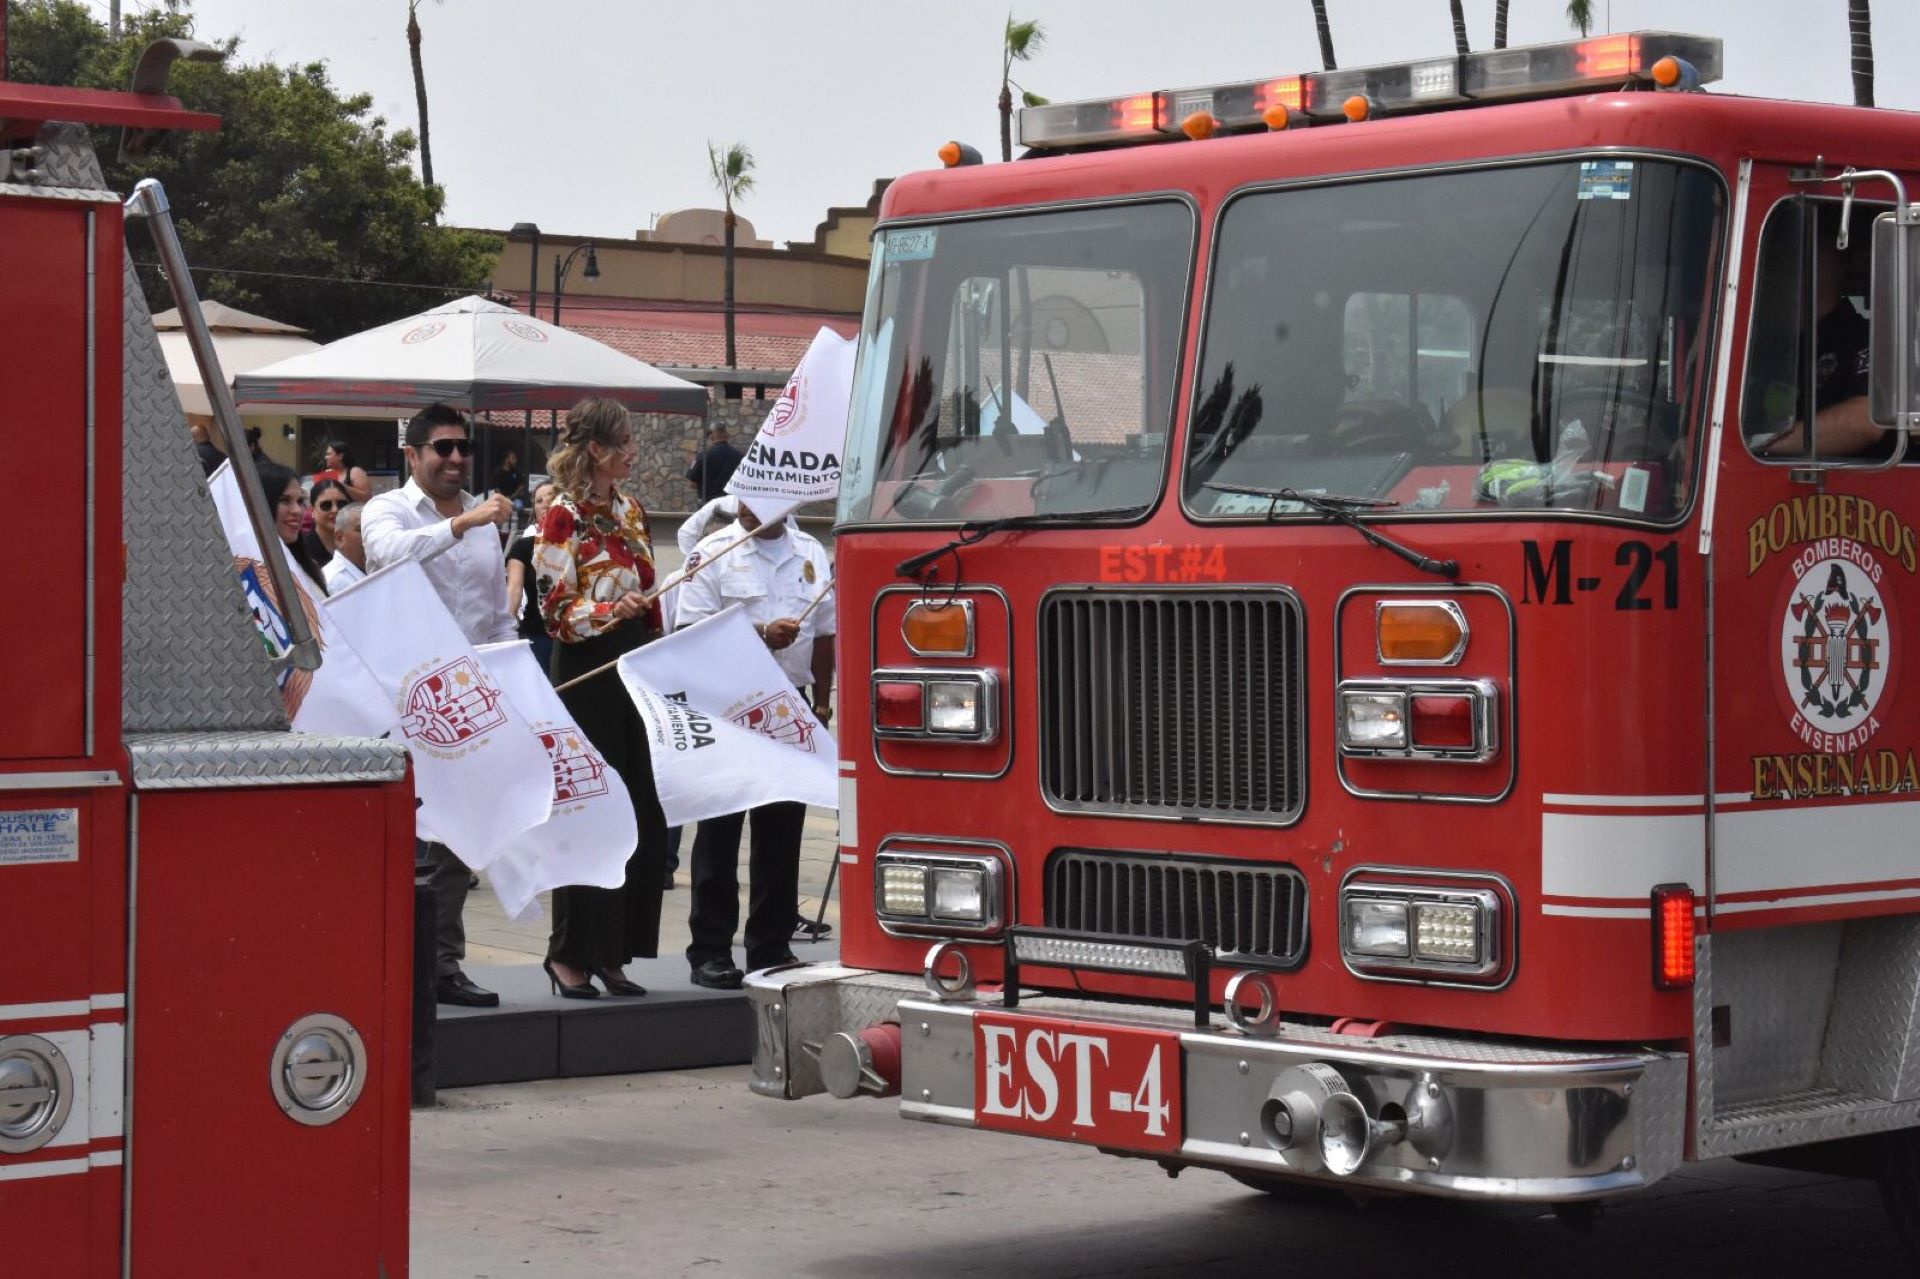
775,578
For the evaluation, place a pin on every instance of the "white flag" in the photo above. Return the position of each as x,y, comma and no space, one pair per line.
342,697
481,775
727,730
591,832
796,456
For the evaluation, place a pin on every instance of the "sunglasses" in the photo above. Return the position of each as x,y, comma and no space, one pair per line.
447,448
328,504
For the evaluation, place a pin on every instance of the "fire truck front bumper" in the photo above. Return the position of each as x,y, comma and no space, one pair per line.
1449,1115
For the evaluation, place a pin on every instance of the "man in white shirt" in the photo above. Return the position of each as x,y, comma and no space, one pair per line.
454,534
349,562
775,578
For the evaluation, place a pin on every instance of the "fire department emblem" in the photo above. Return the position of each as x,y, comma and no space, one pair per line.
783,718
1835,647
452,705
578,771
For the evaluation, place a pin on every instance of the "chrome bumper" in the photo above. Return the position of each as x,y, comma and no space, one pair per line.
1475,1118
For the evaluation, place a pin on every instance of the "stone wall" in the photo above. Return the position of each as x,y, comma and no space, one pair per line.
668,446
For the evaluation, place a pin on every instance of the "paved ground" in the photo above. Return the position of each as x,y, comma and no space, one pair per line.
689,1174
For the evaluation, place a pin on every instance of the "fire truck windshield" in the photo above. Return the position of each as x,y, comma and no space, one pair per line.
1018,365
1524,337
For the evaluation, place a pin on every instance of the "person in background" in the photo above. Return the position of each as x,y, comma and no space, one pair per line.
775,578
352,475
508,480
326,498
522,598
349,562
431,518
210,457
260,459
283,491
714,465
593,564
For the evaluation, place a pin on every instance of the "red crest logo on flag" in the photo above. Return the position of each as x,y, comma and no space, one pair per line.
578,773
781,718
454,704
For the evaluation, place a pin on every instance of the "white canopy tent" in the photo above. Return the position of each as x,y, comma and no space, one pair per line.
473,354
244,341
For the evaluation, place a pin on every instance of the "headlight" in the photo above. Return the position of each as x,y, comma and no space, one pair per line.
1373,721
938,893
903,889
954,706
1376,927
959,893
1419,932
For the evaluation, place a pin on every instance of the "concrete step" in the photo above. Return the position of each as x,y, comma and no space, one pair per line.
535,1034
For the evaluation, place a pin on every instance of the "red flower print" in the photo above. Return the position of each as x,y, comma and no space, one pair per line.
558,527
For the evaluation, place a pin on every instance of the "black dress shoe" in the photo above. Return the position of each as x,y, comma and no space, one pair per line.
718,974
584,990
458,988
619,985
805,929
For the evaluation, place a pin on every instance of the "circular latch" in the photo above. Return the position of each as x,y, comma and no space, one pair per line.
36,1092
319,1067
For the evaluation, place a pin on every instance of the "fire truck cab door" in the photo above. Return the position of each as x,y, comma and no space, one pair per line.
1816,589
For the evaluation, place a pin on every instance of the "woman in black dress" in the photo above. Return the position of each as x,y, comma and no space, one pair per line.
592,564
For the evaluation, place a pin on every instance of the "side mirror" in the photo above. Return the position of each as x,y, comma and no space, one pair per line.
1895,376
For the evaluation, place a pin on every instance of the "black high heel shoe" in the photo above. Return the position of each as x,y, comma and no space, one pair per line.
620,985
584,990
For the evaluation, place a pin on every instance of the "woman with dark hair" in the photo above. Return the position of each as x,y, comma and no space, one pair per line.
327,498
592,565
282,488
352,476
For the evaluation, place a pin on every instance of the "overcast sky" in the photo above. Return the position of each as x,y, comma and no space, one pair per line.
590,117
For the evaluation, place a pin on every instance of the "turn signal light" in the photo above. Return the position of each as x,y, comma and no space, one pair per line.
1673,936
1426,632
1357,108
939,630
900,704
1199,126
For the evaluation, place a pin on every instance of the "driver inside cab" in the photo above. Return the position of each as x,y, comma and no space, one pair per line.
1840,372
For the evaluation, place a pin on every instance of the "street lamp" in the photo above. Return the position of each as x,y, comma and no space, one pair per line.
529,231
562,266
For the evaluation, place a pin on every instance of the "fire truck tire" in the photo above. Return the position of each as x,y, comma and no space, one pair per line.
1288,1191
1900,1184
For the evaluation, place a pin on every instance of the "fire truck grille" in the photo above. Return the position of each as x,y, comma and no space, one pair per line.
1250,914
1171,704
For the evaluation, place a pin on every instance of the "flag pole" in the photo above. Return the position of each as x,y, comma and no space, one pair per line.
658,591
816,602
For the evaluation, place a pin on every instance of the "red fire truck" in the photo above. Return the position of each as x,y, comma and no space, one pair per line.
1374,617
204,990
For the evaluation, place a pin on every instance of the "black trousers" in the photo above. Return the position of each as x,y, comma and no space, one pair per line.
450,880
607,927
773,899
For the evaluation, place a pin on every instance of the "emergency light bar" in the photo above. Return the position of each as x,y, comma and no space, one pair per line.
1532,71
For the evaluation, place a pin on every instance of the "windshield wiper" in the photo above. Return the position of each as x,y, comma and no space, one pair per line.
1341,508
977,531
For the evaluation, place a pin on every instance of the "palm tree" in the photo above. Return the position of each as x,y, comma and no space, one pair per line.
1019,43
1860,26
1500,23
419,90
1580,14
1326,34
733,174
1459,28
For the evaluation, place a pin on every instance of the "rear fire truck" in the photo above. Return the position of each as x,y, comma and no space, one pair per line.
1365,678
205,954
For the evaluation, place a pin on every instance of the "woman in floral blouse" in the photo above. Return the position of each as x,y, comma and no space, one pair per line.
592,564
